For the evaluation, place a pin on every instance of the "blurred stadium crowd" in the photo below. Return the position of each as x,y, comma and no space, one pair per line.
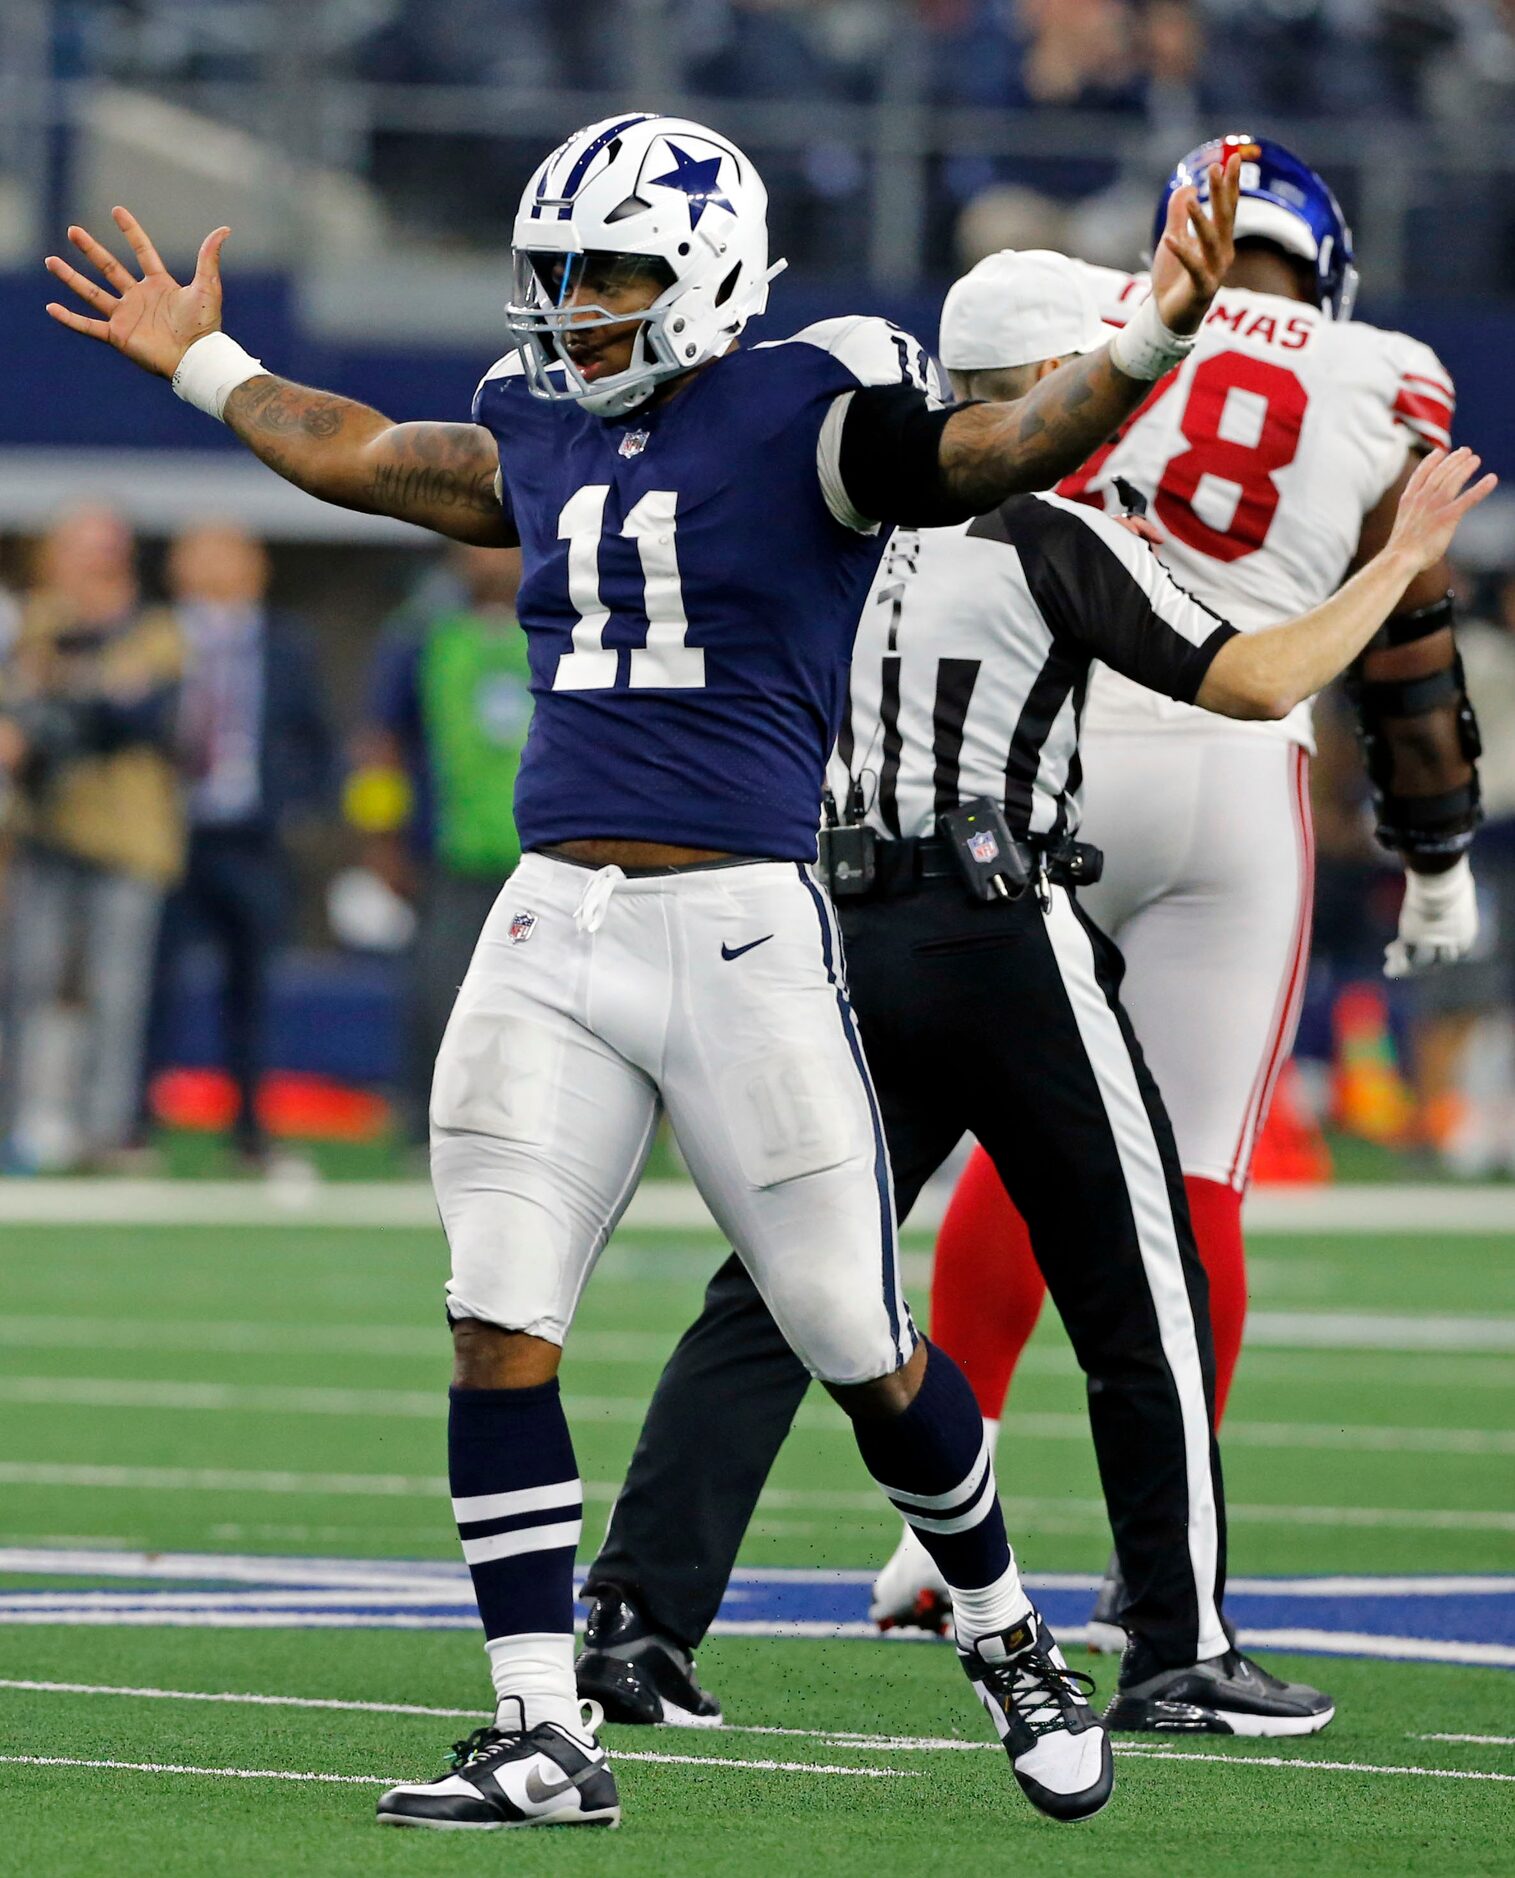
207,863
1094,96
242,847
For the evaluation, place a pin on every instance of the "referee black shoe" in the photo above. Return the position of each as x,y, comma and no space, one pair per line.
1059,1753
636,1675
1224,1695
1105,1635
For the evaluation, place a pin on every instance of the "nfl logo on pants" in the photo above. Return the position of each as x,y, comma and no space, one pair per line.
522,926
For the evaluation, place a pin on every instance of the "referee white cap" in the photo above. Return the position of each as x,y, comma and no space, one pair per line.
1018,308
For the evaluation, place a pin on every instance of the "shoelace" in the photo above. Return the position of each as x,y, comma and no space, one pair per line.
481,1742
1039,1692
589,914
488,1739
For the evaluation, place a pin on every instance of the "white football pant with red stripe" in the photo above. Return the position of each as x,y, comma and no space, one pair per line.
1209,862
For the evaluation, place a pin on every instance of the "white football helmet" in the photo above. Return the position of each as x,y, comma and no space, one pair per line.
640,194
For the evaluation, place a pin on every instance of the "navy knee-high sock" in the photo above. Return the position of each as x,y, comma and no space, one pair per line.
933,1462
519,1506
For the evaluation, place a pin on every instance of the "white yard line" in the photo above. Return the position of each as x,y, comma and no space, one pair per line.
1397,1333
219,1773
444,1576
876,1744
1302,1766
1400,1332
673,1205
425,1404
267,1338
1481,1741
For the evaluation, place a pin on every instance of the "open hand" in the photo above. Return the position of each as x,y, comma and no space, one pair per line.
1196,249
154,320
1434,502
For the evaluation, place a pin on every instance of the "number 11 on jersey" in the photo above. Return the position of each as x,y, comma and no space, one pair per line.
665,662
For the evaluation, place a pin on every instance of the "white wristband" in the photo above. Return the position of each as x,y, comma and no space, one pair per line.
211,370
1146,348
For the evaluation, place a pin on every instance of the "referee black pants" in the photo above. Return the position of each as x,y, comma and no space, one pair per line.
1003,1021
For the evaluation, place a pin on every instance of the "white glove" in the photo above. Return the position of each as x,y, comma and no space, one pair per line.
1438,922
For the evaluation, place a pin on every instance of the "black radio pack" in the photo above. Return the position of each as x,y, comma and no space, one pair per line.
993,864
848,859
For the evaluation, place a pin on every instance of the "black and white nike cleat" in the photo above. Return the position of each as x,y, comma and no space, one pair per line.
1105,1635
1224,1695
635,1674
542,1776
1058,1751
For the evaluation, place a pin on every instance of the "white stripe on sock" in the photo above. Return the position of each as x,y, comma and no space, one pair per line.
941,1502
1141,1164
957,1522
526,1539
523,1500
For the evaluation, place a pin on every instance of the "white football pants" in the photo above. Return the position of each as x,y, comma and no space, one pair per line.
594,1002
1209,870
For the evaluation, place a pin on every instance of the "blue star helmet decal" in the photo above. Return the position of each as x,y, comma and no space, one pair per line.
699,179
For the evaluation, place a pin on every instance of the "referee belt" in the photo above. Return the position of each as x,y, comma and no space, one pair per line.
902,865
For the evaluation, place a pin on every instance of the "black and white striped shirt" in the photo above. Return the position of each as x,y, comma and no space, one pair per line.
973,656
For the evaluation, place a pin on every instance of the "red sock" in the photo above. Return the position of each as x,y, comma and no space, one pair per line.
986,1290
1216,1212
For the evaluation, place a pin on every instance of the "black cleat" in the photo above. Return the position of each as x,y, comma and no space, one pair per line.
541,1776
1224,1695
1105,1634
636,1675
1058,1751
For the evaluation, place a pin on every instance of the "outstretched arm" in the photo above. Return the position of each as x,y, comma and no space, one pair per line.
1265,674
440,476
991,451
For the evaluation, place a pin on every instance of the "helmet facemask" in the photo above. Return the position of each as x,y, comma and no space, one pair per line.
559,300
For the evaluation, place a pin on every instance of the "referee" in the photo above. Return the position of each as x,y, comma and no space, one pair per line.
989,1004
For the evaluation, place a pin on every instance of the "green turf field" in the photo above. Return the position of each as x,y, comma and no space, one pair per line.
277,1390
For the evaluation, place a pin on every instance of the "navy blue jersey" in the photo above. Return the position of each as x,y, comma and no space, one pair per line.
693,578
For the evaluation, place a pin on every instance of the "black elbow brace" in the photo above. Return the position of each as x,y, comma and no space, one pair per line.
1420,825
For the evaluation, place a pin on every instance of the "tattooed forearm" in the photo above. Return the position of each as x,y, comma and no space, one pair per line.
274,404
398,488
990,451
440,476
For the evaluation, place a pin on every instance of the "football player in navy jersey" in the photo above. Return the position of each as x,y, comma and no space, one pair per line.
699,526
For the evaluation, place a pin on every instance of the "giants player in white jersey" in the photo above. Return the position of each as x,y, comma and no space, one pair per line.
1271,464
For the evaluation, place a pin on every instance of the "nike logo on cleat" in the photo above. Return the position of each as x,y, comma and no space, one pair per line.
735,952
538,1789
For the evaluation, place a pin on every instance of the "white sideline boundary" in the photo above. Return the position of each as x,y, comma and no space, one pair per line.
860,1743
446,1577
673,1205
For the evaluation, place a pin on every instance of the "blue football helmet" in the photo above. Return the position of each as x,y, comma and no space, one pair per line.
1282,201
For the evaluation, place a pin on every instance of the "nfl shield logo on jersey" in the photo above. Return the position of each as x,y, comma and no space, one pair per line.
634,442
522,926
983,846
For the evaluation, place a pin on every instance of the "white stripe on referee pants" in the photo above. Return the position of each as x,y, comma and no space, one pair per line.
523,1539
523,1500
1142,1166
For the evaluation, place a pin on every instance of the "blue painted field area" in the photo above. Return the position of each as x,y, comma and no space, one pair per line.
1452,1619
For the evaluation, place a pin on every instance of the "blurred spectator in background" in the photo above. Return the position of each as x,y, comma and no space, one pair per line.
88,694
1463,1049
257,747
433,788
